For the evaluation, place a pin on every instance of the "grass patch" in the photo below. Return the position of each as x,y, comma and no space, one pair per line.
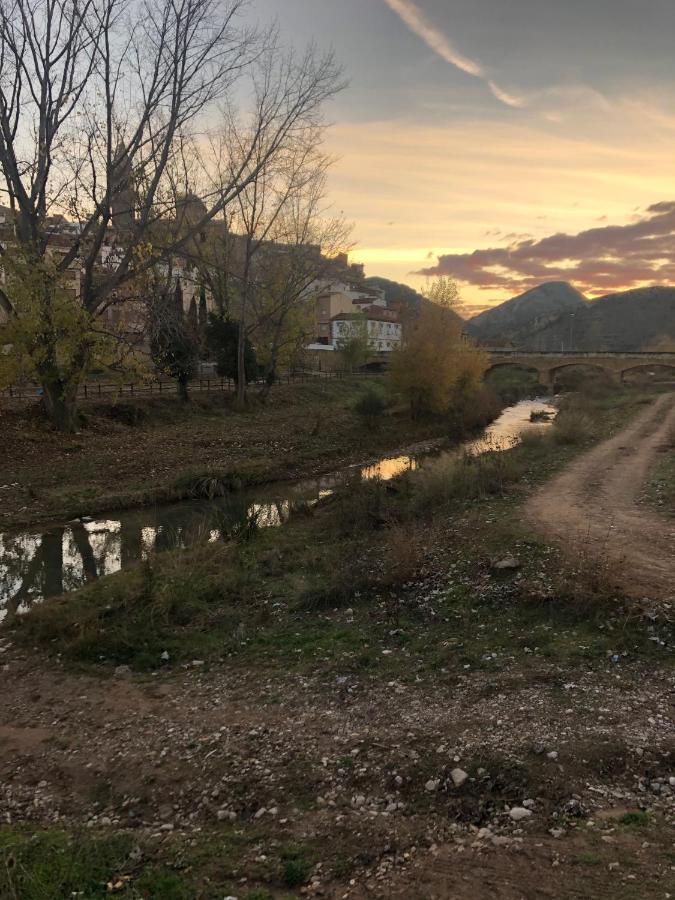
589,859
54,864
660,488
639,819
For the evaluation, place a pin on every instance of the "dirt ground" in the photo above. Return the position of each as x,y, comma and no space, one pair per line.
361,771
540,781
592,507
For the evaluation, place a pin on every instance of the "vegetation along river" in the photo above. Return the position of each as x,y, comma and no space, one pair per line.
36,565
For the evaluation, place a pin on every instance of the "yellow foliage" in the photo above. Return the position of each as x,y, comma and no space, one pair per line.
48,331
435,358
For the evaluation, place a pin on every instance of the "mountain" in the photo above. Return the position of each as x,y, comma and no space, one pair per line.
640,319
515,321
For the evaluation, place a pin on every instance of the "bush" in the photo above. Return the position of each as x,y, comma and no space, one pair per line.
466,477
471,406
571,427
371,405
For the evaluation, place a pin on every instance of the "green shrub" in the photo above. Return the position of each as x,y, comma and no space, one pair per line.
371,405
296,867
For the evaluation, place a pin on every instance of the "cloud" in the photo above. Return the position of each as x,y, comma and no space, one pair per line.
597,260
412,16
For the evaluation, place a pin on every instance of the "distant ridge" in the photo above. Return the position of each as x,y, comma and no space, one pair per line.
516,319
555,316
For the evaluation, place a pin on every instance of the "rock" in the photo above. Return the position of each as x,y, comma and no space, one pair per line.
122,671
507,564
459,776
432,785
528,804
518,813
164,656
261,812
552,755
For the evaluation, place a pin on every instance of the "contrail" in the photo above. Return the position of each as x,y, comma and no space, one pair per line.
412,16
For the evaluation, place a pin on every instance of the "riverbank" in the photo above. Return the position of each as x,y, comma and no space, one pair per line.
159,450
405,693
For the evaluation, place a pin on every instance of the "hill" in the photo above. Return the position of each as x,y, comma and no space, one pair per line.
640,319
402,297
515,321
394,292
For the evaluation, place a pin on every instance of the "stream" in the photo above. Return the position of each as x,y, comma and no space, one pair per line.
35,565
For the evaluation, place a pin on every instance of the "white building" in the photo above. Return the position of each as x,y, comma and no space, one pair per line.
381,325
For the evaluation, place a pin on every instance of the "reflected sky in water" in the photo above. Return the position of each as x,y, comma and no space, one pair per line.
36,565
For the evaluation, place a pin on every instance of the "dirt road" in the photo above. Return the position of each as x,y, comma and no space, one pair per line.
592,507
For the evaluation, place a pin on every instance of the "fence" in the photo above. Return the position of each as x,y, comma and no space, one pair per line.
95,390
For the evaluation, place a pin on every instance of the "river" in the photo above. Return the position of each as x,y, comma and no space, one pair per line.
35,564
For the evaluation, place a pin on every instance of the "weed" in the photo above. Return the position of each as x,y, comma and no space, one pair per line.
589,859
572,426
296,866
638,819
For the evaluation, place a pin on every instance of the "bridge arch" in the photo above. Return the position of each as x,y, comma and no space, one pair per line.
507,364
582,370
650,371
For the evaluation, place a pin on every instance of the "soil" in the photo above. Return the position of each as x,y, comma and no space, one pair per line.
592,508
345,766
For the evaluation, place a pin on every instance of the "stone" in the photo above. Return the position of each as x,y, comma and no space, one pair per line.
459,776
506,564
432,785
518,813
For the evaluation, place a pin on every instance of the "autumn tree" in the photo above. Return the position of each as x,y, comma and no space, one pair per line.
434,359
442,291
97,102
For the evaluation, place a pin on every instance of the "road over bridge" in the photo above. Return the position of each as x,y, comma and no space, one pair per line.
616,364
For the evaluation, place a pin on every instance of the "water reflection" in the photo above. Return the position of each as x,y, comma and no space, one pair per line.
38,565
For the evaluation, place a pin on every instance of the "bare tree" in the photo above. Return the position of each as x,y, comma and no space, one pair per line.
272,179
307,245
97,99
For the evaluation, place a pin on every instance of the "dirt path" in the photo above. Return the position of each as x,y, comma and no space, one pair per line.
592,507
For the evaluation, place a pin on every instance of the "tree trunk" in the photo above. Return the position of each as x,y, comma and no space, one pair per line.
241,334
183,392
60,402
268,382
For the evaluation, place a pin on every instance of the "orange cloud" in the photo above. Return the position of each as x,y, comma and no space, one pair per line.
597,260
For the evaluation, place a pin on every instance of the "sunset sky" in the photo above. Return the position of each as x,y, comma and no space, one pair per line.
504,143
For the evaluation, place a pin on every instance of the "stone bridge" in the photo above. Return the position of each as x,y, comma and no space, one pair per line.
616,364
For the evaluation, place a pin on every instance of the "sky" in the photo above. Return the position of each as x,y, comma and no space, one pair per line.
501,142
